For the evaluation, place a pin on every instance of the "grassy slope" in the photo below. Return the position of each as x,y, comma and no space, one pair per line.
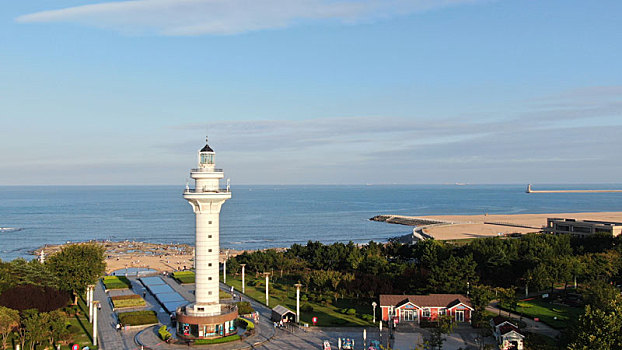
547,312
328,315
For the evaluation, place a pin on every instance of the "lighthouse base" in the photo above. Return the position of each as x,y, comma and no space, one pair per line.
192,325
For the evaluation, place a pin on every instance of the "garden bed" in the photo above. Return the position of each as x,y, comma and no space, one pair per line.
184,277
116,282
138,318
125,301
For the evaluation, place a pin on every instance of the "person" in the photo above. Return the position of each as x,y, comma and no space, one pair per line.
118,327
99,306
144,294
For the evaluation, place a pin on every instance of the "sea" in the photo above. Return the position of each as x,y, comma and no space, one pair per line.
261,216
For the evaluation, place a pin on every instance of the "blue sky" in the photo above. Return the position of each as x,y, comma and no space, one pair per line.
311,91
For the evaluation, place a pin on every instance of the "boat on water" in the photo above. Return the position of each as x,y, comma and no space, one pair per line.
10,229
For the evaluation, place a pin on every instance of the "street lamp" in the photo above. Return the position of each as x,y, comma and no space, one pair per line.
267,274
373,304
243,289
298,285
468,288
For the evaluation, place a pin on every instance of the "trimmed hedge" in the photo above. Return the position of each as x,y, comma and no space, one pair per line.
116,282
137,318
217,340
131,300
44,299
184,276
164,333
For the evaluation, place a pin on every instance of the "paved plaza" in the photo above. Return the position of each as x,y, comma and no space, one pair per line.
266,336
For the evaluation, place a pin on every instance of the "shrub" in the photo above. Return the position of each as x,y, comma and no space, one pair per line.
44,299
164,333
244,308
304,298
306,308
367,317
217,340
116,282
248,325
136,318
351,312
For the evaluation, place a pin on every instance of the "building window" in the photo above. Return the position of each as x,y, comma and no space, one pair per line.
209,250
209,222
209,236
442,312
209,293
209,278
209,264
426,312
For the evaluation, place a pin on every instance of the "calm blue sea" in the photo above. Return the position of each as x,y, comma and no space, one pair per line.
260,216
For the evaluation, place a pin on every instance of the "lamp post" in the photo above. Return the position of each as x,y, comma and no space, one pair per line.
243,289
95,322
267,274
468,288
224,268
298,285
373,304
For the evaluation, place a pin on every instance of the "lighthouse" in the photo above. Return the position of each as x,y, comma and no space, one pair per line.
206,317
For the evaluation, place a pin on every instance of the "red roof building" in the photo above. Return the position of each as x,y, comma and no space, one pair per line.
414,308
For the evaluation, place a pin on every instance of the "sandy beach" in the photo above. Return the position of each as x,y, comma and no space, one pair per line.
473,226
161,257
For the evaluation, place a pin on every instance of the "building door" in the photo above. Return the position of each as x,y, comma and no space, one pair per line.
408,315
460,316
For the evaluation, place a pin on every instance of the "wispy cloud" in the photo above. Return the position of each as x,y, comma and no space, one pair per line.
201,17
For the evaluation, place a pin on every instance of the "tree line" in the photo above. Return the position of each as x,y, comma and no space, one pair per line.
33,296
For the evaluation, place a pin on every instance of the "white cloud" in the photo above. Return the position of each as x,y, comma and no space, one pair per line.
201,17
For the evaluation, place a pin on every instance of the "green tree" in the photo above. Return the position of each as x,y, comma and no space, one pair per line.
452,275
77,266
599,328
54,327
481,295
33,324
9,321
437,335
508,298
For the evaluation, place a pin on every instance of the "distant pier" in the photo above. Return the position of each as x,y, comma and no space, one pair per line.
529,190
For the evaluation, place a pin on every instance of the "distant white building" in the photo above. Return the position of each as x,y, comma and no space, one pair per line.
582,228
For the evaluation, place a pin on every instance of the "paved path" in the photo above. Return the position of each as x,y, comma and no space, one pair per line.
532,326
109,338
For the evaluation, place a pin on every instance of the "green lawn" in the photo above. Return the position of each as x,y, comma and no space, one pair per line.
328,315
548,312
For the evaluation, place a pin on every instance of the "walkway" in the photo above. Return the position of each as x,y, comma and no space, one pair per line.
532,326
109,338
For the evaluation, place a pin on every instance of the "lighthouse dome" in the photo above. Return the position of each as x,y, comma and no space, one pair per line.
207,148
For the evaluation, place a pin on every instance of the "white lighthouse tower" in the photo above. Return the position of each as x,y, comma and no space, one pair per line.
206,318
